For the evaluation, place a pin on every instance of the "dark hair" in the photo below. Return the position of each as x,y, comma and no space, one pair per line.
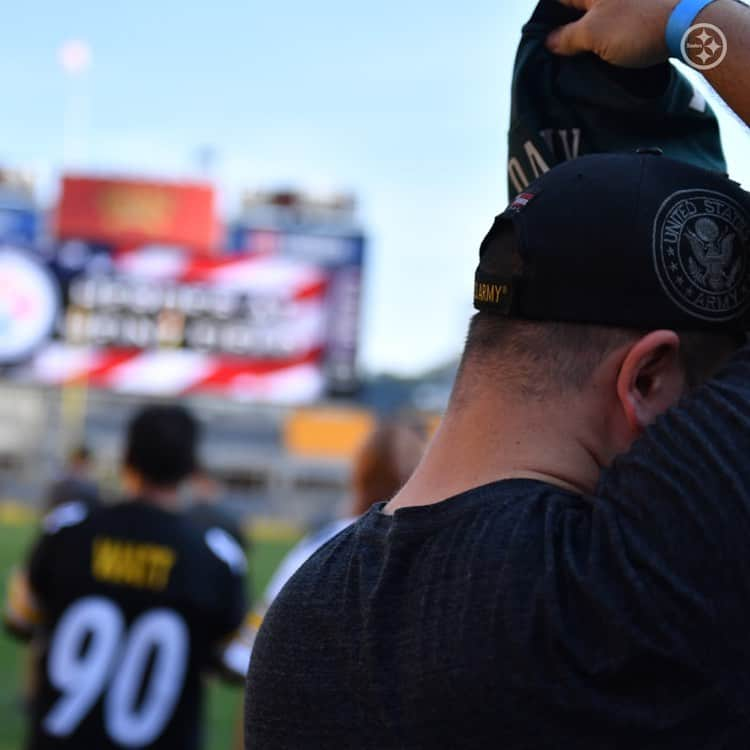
161,444
540,356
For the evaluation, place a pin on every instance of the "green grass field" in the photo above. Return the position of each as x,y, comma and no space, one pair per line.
223,701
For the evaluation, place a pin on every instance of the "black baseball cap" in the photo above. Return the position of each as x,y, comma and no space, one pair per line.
634,240
565,107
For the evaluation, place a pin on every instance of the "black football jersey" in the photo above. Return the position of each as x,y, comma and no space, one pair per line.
136,602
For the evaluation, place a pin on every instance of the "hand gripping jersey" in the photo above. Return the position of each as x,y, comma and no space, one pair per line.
136,604
566,107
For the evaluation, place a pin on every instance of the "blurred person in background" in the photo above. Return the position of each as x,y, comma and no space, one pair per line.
76,483
133,604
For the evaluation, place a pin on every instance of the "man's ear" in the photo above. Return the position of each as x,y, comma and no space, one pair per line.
651,378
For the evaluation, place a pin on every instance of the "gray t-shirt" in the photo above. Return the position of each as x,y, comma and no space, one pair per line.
518,615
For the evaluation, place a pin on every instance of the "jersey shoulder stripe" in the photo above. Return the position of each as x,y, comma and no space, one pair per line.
226,548
65,515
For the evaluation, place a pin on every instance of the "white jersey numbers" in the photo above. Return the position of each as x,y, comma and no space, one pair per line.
81,677
92,654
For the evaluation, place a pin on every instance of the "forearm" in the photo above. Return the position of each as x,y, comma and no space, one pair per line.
731,78
632,34
690,469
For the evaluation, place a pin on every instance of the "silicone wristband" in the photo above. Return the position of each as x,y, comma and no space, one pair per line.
680,21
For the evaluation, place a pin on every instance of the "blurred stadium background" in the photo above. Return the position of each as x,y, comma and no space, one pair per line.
129,291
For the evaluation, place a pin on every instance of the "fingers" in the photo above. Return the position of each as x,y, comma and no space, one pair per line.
568,40
578,4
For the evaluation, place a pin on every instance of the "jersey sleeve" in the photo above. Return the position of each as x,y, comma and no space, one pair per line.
38,566
234,608
42,560
230,632
675,511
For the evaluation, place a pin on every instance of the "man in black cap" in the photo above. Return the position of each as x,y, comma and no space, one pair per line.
569,565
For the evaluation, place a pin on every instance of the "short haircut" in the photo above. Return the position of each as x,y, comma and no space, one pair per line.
161,444
542,357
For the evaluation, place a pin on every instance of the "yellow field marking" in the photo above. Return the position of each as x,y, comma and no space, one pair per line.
274,530
13,513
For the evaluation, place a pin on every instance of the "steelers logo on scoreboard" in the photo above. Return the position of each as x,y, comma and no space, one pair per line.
29,304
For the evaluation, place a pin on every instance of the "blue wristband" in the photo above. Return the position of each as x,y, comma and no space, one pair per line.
680,21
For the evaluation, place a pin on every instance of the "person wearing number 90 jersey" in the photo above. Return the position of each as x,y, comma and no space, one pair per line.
133,604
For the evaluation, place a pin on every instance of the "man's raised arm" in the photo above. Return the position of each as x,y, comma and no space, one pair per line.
633,34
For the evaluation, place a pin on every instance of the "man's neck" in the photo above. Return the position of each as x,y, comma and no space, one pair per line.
166,499
476,446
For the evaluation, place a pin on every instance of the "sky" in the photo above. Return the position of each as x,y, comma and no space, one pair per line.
405,104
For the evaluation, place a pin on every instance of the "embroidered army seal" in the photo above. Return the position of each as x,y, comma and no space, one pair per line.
699,256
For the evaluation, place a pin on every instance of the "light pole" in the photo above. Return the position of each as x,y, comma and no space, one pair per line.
75,59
